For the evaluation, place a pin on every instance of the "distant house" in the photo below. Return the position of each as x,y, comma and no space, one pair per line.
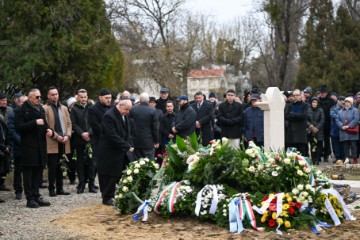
218,79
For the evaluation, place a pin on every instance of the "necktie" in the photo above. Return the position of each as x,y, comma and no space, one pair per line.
198,106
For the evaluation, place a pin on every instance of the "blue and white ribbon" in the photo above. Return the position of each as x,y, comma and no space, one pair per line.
142,212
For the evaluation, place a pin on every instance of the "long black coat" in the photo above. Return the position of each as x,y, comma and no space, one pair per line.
296,122
316,118
33,136
96,113
230,119
79,120
115,142
185,121
205,116
326,104
146,126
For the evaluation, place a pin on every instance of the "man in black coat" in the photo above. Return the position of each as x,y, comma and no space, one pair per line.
81,138
30,122
164,97
185,120
230,119
114,144
325,103
146,137
96,113
165,126
296,123
204,117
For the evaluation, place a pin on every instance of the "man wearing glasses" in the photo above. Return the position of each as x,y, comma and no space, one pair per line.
31,123
230,119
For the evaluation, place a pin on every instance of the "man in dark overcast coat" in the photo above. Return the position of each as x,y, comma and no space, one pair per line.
115,142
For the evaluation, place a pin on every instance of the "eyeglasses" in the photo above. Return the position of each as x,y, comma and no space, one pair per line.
37,97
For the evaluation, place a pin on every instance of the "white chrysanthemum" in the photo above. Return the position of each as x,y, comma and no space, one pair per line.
302,162
119,196
300,173
304,194
251,169
249,151
307,170
137,165
271,160
300,187
307,186
260,167
136,171
156,165
125,189
295,191
146,160
129,178
125,181
128,172
142,162
287,160
275,173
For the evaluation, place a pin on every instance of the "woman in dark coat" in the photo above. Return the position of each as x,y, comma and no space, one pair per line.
315,124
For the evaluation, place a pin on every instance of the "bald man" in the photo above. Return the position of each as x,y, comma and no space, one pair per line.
115,143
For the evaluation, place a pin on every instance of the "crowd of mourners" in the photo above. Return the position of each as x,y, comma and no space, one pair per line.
80,138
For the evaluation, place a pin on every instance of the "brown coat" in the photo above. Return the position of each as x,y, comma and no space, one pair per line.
52,144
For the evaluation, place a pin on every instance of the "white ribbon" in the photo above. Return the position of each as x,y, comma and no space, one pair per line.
214,201
198,201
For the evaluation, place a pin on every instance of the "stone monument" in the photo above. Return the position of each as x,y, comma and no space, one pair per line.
273,104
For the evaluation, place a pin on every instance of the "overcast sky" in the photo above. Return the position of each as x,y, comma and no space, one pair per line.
222,10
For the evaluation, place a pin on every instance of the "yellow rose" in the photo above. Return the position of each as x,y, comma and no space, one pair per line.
266,213
263,218
287,224
274,215
279,221
284,214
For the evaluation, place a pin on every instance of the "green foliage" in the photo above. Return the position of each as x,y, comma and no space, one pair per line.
68,44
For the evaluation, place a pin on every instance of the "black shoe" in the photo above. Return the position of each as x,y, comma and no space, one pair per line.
18,196
42,202
52,193
43,186
92,190
62,192
32,204
108,202
80,191
2,201
4,188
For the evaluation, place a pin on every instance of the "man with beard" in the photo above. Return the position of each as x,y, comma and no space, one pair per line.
30,122
115,143
58,118
96,113
185,120
81,138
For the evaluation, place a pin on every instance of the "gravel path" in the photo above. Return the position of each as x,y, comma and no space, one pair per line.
19,222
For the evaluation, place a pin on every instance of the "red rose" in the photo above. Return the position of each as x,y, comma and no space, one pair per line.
272,207
291,210
298,205
265,198
272,223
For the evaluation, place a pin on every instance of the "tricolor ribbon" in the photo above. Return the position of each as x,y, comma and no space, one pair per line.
142,212
172,197
312,180
239,208
162,195
259,153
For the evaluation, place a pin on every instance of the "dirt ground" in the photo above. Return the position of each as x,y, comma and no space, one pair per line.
104,222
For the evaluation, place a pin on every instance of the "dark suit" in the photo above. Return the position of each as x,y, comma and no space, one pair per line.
33,147
147,130
96,113
114,143
204,115
230,119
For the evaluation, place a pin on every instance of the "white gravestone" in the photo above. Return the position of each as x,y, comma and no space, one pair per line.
273,104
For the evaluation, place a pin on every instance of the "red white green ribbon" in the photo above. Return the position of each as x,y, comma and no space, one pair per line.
172,197
162,195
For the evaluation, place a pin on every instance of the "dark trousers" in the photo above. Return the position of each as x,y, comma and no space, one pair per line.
350,148
316,149
107,186
17,175
31,179
71,166
55,174
205,134
337,147
144,152
85,168
327,146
